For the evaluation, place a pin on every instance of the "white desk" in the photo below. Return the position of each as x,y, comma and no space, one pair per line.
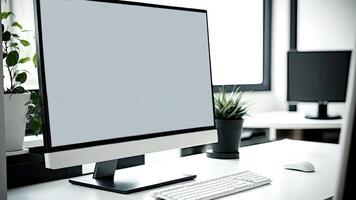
267,159
287,120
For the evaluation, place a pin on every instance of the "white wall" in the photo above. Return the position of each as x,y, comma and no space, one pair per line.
326,25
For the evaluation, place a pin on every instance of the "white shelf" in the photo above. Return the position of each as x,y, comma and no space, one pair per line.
29,142
280,120
15,153
288,120
33,141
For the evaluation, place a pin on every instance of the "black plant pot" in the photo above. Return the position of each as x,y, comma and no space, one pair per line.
229,135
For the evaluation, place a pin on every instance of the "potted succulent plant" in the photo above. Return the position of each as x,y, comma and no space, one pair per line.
15,95
229,113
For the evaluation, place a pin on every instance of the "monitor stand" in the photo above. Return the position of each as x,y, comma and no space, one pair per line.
323,112
128,180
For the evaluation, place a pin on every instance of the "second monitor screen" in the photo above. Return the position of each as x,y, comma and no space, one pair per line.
318,76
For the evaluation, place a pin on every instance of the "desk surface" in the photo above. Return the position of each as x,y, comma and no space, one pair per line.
267,159
288,120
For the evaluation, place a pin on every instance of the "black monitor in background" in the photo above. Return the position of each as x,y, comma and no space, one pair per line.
318,76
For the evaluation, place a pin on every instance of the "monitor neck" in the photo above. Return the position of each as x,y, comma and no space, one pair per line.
323,112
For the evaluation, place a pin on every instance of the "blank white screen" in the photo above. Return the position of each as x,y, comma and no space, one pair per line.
116,70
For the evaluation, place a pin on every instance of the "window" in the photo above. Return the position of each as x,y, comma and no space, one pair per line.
244,60
24,14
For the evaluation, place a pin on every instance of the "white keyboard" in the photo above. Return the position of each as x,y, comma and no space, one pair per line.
213,188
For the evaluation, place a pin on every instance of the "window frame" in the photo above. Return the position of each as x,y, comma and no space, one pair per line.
267,32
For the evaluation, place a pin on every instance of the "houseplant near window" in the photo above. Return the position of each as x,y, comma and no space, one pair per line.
34,124
15,96
229,113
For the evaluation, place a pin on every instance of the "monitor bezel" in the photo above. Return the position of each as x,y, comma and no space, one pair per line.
43,88
311,52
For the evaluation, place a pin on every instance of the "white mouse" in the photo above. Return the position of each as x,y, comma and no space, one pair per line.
304,166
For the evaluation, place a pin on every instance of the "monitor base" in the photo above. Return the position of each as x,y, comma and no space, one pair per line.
217,155
323,112
323,118
130,180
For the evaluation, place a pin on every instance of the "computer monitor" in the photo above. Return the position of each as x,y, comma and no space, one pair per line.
345,186
120,79
318,76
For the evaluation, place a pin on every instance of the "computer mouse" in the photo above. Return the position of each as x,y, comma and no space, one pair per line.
304,166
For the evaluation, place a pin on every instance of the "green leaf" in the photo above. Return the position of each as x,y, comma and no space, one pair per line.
4,55
12,58
34,59
229,105
36,125
2,28
6,36
18,90
21,77
15,35
34,114
5,15
35,98
14,44
30,108
25,43
24,60
17,24
17,71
